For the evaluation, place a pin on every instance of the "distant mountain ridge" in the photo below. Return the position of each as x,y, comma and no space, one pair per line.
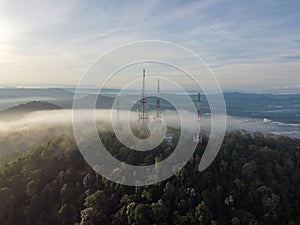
8,93
276,107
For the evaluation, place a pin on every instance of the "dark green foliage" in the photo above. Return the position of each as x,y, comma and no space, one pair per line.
254,180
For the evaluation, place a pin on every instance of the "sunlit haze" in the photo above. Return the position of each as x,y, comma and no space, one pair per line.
251,46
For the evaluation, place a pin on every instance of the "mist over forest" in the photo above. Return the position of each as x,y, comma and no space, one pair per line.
39,155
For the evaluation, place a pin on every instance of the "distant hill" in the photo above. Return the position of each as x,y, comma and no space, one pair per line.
102,102
106,102
28,107
32,106
281,108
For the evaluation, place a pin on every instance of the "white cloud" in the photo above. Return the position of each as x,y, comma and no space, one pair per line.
54,42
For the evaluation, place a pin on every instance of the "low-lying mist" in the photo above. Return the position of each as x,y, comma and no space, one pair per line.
30,129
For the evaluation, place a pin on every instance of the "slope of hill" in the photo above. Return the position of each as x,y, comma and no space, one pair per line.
32,106
19,110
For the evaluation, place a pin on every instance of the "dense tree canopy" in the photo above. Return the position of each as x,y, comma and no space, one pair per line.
254,180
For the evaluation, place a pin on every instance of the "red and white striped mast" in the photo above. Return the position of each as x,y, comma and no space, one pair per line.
198,106
197,138
158,102
143,116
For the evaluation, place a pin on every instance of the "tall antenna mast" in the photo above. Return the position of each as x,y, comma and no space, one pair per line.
198,106
197,137
118,112
158,101
144,106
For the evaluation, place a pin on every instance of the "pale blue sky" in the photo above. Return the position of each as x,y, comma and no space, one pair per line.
250,45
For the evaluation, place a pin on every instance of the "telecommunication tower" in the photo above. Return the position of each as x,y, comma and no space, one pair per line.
197,137
157,116
143,114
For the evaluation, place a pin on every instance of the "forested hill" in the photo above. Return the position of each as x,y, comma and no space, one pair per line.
254,180
21,109
31,106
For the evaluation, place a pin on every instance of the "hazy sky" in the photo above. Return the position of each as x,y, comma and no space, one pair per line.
250,45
